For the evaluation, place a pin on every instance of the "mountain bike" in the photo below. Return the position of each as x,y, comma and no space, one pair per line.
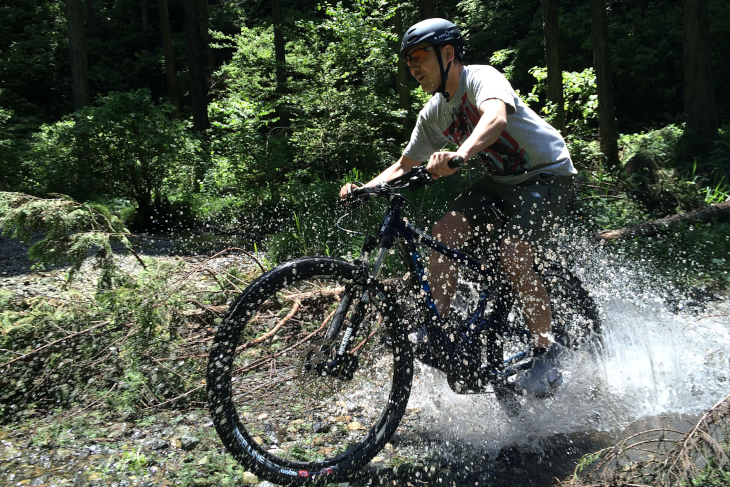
311,368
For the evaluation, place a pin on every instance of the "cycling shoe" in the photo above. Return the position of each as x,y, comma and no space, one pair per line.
543,378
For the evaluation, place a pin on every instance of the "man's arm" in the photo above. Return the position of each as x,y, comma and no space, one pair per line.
492,121
402,166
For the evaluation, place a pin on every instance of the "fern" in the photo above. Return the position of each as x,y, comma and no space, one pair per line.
66,231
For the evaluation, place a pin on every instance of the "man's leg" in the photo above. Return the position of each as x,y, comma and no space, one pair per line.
517,258
452,229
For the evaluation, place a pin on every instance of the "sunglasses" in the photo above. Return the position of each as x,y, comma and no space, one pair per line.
418,56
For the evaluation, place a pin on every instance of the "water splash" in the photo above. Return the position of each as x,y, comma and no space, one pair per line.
655,358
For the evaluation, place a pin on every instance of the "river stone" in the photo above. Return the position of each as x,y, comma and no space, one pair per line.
189,442
120,429
157,444
248,478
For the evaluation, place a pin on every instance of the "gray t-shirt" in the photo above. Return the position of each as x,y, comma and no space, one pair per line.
527,145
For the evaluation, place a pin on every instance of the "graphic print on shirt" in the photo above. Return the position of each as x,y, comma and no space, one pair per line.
503,158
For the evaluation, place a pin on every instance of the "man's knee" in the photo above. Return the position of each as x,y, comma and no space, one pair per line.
516,256
452,229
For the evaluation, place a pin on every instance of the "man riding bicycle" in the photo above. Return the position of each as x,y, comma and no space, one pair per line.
525,191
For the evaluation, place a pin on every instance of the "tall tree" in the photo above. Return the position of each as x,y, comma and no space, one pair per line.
170,70
280,57
196,66
428,9
90,18
606,112
699,99
205,31
77,54
145,23
552,55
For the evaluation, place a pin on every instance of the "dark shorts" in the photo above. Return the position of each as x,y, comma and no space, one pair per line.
527,211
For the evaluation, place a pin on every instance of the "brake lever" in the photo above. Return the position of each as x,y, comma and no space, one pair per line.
356,198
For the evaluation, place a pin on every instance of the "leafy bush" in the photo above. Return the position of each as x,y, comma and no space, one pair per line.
123,146
580,100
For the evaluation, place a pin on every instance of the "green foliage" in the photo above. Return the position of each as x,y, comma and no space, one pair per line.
345,108
68,231
580,100
662,144
80,349
124,146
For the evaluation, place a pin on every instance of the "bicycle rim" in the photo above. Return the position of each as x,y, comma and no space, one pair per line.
288,406
576,319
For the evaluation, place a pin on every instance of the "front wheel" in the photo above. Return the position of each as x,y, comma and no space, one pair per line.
309,373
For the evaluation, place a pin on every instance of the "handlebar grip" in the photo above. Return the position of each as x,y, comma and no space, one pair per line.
457,161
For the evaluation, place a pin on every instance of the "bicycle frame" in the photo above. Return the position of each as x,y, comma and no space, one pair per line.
392,228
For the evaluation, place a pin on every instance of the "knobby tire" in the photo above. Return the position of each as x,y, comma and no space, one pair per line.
277,413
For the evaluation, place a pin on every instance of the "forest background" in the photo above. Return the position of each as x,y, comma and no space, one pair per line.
233,116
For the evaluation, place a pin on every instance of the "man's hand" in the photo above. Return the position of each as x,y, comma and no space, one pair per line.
438,164
346,189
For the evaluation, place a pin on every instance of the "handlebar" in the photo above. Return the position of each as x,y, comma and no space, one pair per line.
412,180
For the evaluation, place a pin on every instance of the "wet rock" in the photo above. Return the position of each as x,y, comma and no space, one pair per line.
182,430
96,449
189,442
157,444
63,454
249,478
120,429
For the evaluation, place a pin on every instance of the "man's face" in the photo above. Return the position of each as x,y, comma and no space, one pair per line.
422,62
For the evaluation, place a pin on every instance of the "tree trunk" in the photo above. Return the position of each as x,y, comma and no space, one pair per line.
401,75
280,56
77,54
170,71
205,30
196,66
143,10
719,211
606,111
90,18
699,103
552,55
428,9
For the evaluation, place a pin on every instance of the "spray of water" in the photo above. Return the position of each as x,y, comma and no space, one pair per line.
655,357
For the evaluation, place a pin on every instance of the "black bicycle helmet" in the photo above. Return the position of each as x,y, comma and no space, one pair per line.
438,32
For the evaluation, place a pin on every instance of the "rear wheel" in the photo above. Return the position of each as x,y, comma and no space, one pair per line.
576,319
294,395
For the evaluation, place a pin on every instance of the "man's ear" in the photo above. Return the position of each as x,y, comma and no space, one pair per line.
449,52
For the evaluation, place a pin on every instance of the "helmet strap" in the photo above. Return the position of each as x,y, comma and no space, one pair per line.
444,74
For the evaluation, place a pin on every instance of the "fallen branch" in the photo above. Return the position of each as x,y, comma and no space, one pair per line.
25,356
648,229
254,365
200,266
273,331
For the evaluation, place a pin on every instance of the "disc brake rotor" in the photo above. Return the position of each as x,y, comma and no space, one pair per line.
310,374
